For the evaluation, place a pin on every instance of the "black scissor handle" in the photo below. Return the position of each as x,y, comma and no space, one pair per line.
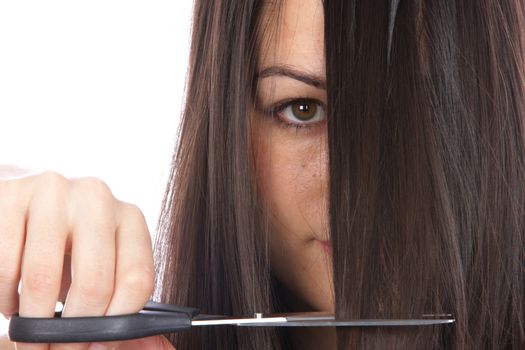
154,306
150,321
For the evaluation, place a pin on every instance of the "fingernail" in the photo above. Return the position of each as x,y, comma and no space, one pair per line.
98,346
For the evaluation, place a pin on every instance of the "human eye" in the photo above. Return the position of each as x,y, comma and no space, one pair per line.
298,113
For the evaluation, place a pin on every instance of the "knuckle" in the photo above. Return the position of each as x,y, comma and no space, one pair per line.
52,187
139,280
135,210
94,194
95,289
52,178
40,281
94,186
138,216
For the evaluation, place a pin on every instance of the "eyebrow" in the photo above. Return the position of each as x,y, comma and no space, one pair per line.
304,77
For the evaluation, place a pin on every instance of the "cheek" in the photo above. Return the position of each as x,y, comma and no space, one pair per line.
292,173
298,192
294,181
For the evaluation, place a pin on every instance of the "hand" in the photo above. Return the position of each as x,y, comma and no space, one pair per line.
47,217
150,343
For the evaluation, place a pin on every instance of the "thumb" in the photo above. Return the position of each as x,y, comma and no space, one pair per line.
157,342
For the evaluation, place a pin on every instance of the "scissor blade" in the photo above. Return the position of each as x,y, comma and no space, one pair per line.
317,320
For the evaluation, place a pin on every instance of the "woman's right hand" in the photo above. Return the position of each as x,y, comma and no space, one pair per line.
47,217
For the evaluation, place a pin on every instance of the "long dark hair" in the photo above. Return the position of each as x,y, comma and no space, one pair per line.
426,135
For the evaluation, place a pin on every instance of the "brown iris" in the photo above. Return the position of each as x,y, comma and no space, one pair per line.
304,109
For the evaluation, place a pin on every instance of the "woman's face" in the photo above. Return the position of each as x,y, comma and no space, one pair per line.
291,159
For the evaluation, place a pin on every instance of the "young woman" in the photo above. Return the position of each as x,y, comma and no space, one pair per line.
360,157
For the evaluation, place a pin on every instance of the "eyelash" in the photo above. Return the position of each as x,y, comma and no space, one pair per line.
274,110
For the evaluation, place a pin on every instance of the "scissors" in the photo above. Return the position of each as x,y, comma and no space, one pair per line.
156,318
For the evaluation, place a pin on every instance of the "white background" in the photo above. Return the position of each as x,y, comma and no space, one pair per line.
94,88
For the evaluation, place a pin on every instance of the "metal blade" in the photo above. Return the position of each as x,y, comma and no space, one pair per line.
319,319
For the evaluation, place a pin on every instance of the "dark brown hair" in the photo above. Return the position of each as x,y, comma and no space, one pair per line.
426,132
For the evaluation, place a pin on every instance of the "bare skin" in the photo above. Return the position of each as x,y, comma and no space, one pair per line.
81,219
292,163
50,225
